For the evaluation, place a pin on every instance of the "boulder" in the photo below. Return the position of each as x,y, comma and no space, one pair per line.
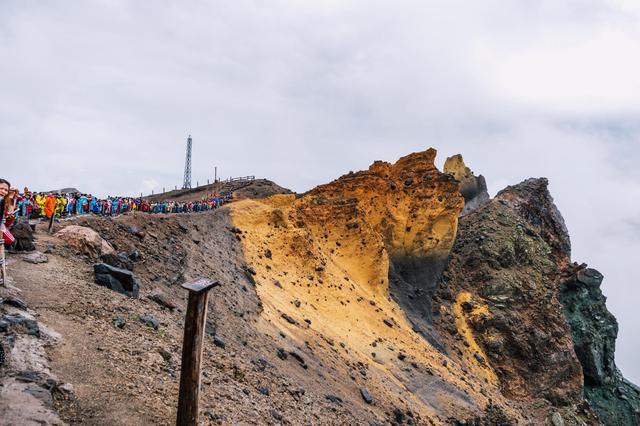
85,241
120,260
117,279
23,233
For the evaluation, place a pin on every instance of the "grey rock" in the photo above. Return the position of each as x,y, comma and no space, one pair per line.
219,342
366,396
36,258
333,398
117,279
119,322
289,319
15,302
163,301
276,414
557,420
149,321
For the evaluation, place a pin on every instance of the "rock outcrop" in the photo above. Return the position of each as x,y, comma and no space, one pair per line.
498,297
355,263
472,188
594,330
511,298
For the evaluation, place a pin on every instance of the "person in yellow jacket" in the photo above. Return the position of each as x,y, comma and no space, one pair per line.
61,203
40,199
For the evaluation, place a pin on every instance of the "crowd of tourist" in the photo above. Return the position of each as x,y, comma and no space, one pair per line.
32,205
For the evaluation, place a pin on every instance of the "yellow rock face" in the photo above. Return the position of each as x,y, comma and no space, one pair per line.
323,261
455,166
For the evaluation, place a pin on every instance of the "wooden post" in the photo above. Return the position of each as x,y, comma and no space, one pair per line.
51,222
194,326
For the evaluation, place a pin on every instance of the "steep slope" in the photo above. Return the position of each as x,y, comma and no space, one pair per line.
354,263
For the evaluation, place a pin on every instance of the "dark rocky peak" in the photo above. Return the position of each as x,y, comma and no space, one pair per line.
533,202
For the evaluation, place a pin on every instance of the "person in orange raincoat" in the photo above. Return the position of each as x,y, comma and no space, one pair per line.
50,205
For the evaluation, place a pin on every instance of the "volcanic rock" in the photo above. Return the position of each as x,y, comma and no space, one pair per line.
163,300
36,258
23,234
594,330
85,241
472,188
149,321
366,396
509,298
116,279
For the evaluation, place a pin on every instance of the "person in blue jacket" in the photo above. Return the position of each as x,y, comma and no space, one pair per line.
81,204
92,205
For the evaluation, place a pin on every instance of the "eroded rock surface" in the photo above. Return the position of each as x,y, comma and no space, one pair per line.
473,188
499,295
353,264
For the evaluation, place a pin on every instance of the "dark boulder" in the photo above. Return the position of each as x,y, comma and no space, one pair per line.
17,322
23,235
14,301
117,279
120,260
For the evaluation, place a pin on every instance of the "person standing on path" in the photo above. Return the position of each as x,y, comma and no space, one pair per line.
7,206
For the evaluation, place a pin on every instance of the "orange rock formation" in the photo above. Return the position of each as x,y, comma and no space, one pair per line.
323,262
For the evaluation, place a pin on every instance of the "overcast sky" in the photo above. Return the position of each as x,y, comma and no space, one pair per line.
100,95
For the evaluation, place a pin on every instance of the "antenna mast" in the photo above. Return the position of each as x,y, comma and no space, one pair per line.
187,166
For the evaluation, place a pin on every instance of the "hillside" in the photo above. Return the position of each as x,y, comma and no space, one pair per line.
396,295
257,188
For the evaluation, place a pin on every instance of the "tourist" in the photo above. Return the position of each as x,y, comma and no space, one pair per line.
8,202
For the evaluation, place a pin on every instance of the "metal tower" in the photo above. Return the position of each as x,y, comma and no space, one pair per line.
187,166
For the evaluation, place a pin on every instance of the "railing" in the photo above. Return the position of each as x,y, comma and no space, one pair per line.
241,179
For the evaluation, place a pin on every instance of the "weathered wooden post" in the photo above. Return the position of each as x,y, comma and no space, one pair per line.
194,327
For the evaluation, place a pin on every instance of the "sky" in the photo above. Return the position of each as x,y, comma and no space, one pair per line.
101,95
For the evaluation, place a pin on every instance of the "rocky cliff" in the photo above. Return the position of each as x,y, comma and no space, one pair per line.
377,260
594,330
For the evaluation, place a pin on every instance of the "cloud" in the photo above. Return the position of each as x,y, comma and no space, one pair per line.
101,95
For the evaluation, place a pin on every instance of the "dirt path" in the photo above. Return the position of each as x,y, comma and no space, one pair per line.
99,359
